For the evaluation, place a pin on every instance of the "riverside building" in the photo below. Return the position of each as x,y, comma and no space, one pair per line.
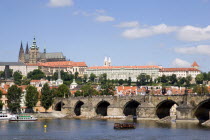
154,71
123,72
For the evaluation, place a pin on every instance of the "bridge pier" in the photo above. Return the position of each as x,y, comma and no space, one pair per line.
88,111
114,111
146,111
184,112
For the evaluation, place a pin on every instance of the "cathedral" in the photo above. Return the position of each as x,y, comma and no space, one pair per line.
32,55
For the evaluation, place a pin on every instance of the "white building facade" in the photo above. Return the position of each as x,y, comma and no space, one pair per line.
124,72
18,66
180,72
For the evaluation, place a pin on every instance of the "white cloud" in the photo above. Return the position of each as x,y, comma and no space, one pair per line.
128,24
83,13
191,33
60,3
102,18
179,63
148,31
101,11
184,33
200,49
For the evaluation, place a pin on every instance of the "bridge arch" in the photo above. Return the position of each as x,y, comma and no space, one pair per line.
202,111
130,108
59,106
163,108
77,108
101,108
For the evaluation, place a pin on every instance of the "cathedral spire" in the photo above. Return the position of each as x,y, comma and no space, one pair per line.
21,53
27,50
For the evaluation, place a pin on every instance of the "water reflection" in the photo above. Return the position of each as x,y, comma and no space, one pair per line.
100,130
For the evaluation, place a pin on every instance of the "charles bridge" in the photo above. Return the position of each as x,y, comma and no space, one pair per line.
188,107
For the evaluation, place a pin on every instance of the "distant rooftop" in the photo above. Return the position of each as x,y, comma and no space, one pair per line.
12,63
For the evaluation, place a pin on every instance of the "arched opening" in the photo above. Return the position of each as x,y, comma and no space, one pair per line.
202,111
163,108
130,108
59,106
102,107
77,109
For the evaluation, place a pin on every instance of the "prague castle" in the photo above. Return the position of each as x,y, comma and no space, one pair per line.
32,55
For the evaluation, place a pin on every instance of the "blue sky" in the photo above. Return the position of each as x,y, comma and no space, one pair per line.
171,33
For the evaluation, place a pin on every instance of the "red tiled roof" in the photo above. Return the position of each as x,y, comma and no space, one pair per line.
126,67
63,64
195,64
3,90
178,69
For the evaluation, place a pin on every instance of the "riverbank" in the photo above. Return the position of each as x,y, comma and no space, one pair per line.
47,115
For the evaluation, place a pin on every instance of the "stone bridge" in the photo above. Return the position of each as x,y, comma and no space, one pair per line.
189,107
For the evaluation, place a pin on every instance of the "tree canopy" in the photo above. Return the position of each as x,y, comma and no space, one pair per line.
92,77
31,96
63,90
46,97
36,74
14,98
17,77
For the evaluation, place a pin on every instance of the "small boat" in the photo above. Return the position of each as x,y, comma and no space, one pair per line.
124,126
5,116
22,118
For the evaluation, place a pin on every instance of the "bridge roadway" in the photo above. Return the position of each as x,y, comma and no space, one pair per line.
189,107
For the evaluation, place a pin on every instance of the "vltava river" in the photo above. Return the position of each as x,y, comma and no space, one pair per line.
69,129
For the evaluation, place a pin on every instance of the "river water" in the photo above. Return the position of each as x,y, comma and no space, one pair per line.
71,129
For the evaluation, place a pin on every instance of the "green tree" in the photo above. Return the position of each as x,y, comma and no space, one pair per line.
199,79
36,74
164,79
88,90
188,80
92,77
120,82
1,104
173,79
142,78
103,78
46,97
78,93
31,97
76,74
85,77
129,81
17,77
200,89
62,91
107,89
181,81
14,98
1,74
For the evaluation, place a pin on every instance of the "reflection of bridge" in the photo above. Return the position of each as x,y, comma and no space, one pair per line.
189,106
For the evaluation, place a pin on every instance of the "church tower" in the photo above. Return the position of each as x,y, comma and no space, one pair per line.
27,50
107,61
195,65
21,54
33,53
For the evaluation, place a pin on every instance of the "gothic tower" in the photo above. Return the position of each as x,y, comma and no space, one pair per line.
27,50
21,54
33,53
